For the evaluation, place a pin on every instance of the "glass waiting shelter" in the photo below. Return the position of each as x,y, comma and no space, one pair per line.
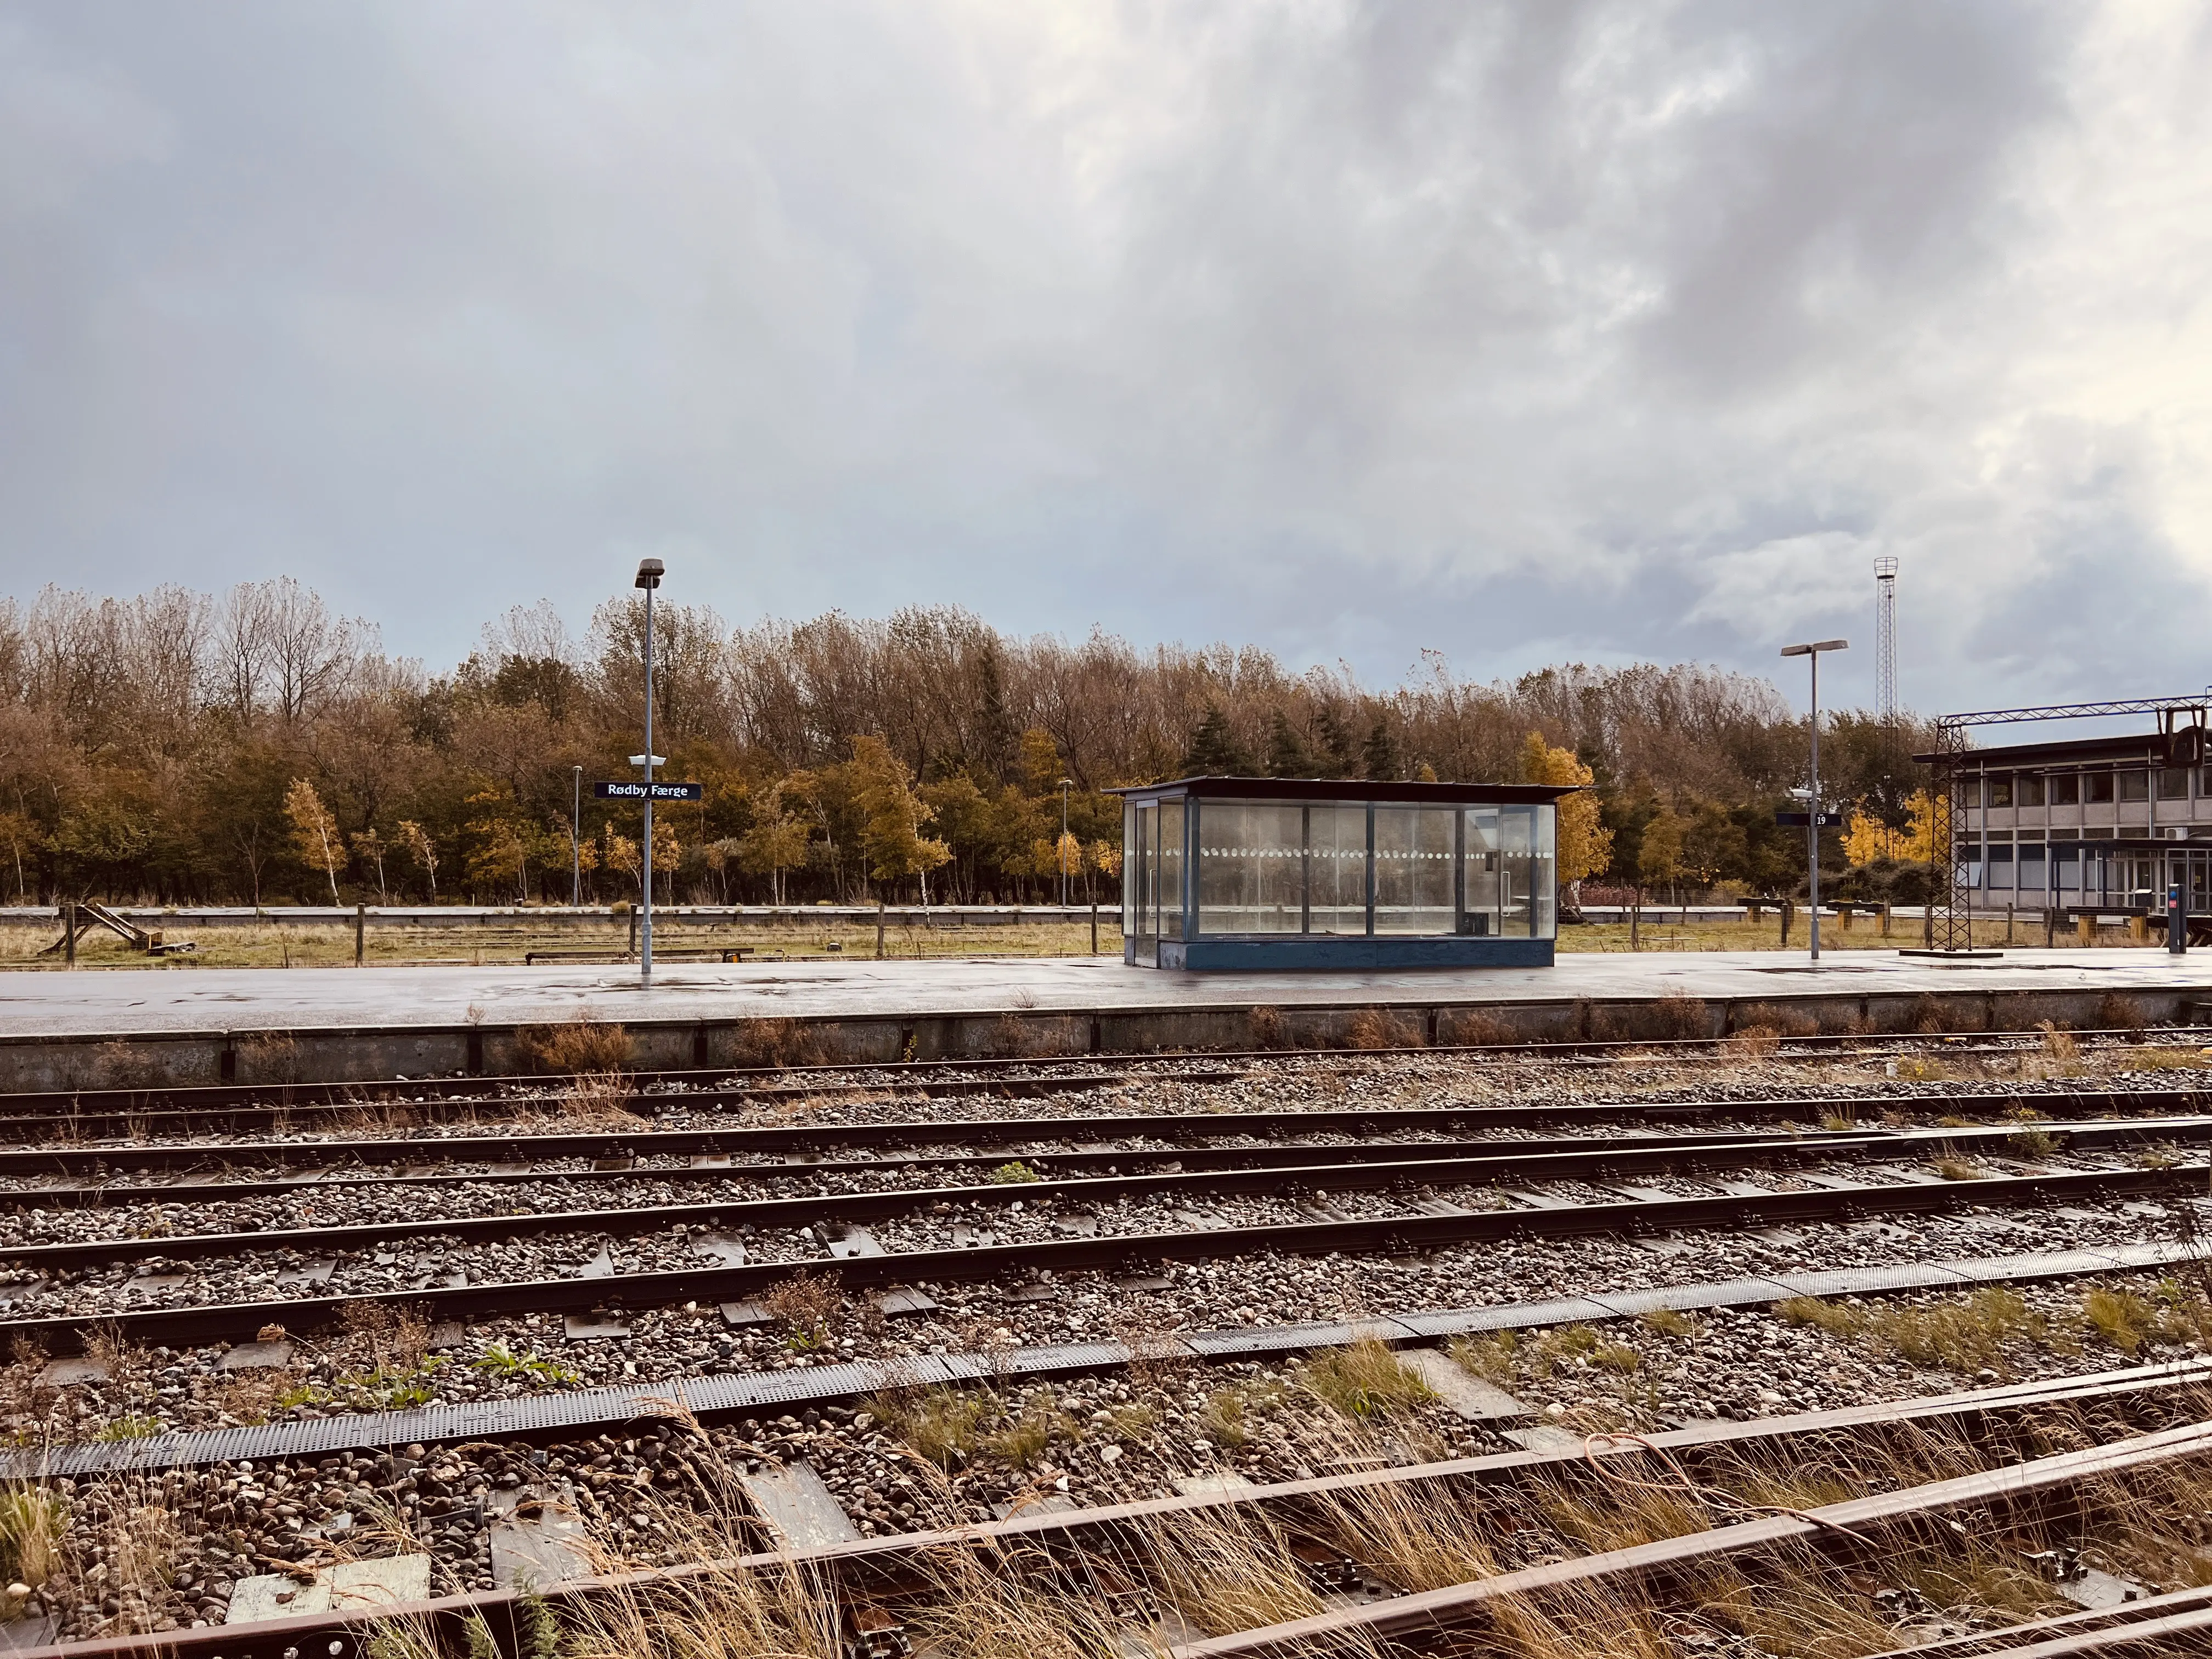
1291,873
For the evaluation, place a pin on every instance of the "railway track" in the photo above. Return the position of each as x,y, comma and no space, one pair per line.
1009,1078
1460,1200
1360,1185
1113,1571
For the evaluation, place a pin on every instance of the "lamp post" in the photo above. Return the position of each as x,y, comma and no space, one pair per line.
1061,852
649,572
576,837
1813,815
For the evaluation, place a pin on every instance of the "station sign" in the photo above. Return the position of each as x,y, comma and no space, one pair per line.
631,790
1808,821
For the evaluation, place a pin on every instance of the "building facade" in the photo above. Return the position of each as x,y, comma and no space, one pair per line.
2100,823
1295,873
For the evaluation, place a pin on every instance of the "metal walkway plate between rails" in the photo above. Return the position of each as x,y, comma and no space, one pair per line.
733,1393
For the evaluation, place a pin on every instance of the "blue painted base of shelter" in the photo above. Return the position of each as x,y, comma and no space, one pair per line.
1295,954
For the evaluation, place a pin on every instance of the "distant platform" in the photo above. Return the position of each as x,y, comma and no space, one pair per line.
82,1029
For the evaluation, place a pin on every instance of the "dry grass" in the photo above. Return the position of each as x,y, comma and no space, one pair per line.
808,1304
941,1423
33,1521
1973,1333
386,1338
1377,1028
777,1043
1362,1381
1756,1043
1677,1016
1952,1167
1224,1568
2168,1059
1922,1068
596,1099
582,1044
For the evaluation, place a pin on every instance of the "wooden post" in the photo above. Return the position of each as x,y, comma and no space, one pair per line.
880,930
1843,918
1635,920
68,932
2008,913
1885,908
360,934
1094,927
2085,930
633,930
2050,927
1789,914
2139,929
1928,923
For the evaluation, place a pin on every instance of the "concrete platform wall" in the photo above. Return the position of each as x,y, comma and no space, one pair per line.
328,1054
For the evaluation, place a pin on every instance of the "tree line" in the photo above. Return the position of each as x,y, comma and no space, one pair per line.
254,747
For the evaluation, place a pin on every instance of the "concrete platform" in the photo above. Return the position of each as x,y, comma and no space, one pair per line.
109,1029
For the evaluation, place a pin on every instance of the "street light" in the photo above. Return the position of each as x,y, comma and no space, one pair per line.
649,572
1066,784
576,838
1812,816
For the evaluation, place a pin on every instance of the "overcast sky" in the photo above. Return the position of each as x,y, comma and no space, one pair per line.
1523,332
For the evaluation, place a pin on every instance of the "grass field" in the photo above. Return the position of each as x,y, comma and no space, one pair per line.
292,946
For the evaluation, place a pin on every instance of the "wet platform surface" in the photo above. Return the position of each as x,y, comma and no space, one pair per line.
187,999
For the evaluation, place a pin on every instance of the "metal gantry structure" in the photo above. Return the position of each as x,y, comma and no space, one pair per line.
1952,929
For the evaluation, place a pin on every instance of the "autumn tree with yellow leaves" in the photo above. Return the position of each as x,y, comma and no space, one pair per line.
1585,845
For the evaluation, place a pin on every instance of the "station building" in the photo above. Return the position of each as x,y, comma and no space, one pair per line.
2098,823
1286,873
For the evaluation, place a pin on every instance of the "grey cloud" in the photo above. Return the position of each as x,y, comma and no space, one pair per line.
1586,328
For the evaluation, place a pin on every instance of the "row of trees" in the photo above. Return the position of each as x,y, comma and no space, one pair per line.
254,747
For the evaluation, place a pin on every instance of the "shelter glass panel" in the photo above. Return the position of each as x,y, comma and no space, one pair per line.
1131,862
1414,852
1336,869
1480,867
1170,862
1524,896
1251,867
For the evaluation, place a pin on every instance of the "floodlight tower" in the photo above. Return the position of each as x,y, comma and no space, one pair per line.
1884,641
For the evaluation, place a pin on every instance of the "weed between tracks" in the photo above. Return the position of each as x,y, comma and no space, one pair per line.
1214,1567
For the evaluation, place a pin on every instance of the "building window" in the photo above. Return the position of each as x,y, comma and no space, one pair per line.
2027,789
2031,869
2097,787
2000,865
2134,785
2001,790
2065,789
2173,783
